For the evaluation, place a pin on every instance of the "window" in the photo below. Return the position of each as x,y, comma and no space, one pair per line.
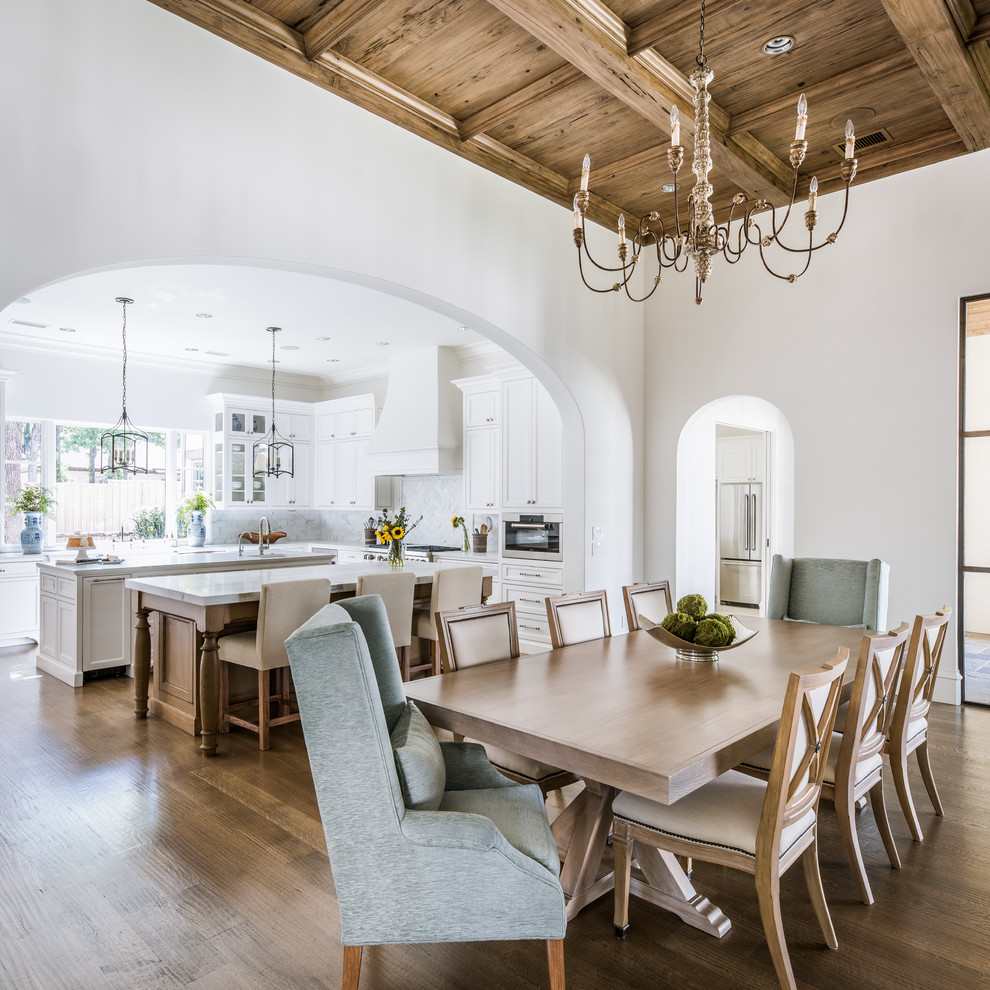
22,467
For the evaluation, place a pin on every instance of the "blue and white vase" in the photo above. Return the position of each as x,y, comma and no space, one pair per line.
32,534
196,531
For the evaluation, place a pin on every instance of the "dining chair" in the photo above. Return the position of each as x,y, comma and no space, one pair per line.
427,841
482,634
651,599
738,821
909,725
831,591
282,608
397,589
854,767
578,617
453,587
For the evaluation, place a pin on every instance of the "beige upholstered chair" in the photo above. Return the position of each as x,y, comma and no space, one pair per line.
480,634
283,608
651,599
909,725
397,589
453,587
855,758
578,617
741,822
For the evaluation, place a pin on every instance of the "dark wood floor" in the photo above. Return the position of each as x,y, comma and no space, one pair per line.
129,861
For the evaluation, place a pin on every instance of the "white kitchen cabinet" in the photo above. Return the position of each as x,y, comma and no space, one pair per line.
481,407
294,492
482,459
107,637
241,485
345,419
18,601
294,426
529,585
741,459
343,475
532,457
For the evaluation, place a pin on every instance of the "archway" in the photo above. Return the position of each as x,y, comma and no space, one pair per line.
695,547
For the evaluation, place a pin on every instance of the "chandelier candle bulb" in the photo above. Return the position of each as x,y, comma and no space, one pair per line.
802,118
675,126
585,172
813,192
850,140
577,213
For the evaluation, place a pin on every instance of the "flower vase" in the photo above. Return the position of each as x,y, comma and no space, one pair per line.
396,553
467,545
32,533
196,530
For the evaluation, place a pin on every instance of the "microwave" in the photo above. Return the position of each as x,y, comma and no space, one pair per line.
531,536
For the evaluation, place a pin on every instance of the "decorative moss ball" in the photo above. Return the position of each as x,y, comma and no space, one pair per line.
712,632
693,605
727,622
681,624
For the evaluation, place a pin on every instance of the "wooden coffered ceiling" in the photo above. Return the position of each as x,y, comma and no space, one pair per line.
525,87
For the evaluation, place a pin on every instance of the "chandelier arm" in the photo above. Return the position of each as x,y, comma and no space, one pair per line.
826,242
588,255
611,288
793,276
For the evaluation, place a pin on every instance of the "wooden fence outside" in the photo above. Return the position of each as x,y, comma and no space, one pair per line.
101,510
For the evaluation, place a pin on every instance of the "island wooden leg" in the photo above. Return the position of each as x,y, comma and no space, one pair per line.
209,693
142,662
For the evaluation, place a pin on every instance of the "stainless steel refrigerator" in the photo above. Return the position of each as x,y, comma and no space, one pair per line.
740,544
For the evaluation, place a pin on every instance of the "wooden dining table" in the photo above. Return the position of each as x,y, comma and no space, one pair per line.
626,714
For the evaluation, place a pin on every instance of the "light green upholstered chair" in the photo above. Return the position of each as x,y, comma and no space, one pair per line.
831,591
427,841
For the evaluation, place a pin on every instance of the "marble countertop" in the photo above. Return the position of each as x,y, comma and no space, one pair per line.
210,559
229,587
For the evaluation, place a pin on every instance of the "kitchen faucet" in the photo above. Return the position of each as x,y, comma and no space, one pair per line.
264,531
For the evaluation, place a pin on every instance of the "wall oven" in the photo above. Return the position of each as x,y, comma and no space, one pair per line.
531,536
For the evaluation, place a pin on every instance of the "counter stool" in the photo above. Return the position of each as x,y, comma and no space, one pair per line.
453,587
396,589
283,608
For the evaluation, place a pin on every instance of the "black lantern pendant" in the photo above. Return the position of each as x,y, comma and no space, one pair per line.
125,447
273,454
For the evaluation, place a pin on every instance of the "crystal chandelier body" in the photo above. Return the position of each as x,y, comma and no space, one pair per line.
125,447
273,455
700,238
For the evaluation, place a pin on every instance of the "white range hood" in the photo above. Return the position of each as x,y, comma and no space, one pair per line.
419,431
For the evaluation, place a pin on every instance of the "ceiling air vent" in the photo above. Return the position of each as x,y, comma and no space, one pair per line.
865,141
218,353
29,324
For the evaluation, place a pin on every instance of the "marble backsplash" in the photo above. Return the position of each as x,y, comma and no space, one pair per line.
437,497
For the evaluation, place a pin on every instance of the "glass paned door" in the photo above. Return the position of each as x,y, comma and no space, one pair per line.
975,489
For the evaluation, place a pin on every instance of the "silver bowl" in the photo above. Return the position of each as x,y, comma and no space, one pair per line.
694,651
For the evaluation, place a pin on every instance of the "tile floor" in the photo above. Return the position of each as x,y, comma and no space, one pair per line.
977,664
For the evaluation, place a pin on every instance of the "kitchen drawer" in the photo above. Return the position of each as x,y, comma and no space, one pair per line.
536,573
67,588
535,630
48,583
528,600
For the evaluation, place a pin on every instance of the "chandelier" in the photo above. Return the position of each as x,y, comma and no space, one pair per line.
700,239
273,454
124,448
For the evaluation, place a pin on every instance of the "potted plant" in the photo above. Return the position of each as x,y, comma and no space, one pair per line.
35,502
191,510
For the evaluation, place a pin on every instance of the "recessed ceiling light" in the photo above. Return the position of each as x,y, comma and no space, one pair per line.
381,343
192,348
333,360
322,338
67,329
205,316
777,46
289,347
462,327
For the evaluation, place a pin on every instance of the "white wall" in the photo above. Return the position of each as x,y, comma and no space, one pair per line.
135,136
861,358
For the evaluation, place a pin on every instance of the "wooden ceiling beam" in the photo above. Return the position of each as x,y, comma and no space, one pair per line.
653,30
593,39
330,26
515,103
928,29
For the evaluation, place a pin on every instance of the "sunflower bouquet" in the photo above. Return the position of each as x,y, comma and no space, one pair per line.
456,521
393,532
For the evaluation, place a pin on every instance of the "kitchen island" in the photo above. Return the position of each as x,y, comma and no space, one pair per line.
178,619
84,611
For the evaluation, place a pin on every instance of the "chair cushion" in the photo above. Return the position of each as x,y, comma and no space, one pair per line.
522,766
518,813
580,622
240,648
418,760
863,769
724,813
